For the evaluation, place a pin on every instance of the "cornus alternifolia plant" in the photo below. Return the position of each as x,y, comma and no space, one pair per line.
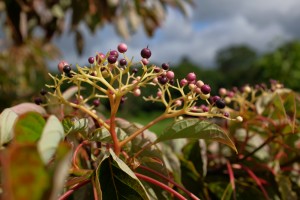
111,156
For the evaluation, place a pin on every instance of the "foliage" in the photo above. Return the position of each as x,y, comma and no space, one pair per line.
112,157
267,141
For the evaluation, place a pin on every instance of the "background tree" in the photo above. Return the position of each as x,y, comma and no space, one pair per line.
29,27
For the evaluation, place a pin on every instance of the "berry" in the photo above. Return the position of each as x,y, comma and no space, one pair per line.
191,77
163,80
134,70
122,47
199,83
91,60
38,100
183,82
123,62
112,59
96,102
67,69
222,91
226,114
205,89
145,61
170,75
156,69
215,98
43,92
70,75
123,99
146,53
220,103
159,94
165,66
137,92
114,53
61,65
100,57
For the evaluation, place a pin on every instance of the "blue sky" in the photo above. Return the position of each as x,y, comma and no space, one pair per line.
211,25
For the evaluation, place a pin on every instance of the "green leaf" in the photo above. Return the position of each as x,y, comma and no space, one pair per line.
26,177
285,187
52,134
195,129
118,181
29,127
75,125
7,120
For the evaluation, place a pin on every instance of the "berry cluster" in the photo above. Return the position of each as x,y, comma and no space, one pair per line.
114,75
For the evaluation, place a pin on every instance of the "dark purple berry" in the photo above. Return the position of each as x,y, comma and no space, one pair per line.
70,75
146,53
122,47
67,69
96,102
112,59
114,53
163,80
226,114
134,70
43,92
156,69
215,98
165,66
191,77
220,103
205,89
123,62
38,100
91,60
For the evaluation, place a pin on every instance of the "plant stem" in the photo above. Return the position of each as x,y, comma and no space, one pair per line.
171,181
70,191
132,136
159,184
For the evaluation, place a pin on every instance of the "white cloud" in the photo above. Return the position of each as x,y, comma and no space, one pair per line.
213,25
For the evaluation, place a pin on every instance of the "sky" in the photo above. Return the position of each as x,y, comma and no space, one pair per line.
210,26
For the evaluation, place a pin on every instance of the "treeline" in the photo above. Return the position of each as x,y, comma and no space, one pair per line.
236,66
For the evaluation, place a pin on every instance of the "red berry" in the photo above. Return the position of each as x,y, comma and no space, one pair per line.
114,53
183,82
122,47
191,77
170,75
91,60
215,98
146,53
165,66
112,59
145,61
61,65
205,89
156,69
100,57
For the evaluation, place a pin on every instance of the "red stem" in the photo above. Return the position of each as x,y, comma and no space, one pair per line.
163,186
171,181
76,152
70,191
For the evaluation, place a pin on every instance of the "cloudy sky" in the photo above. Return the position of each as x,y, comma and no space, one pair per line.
211,25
